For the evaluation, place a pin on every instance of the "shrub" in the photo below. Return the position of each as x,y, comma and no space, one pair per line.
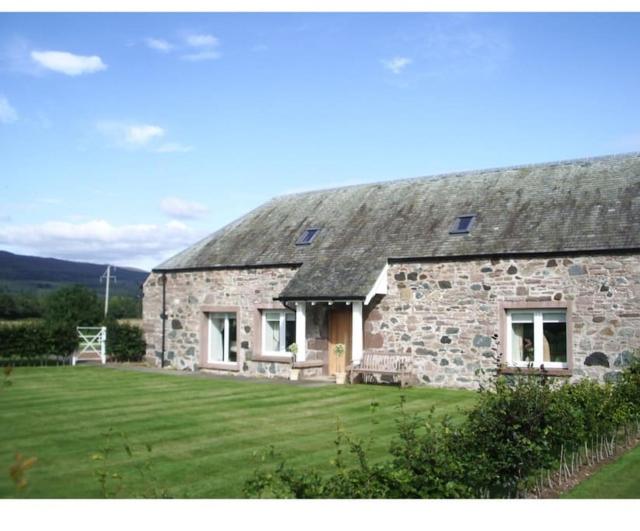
125,342
36,341
519,428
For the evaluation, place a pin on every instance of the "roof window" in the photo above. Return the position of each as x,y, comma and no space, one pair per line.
463,224
307,236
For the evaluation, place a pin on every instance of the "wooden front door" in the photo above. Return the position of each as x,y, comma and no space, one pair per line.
339,332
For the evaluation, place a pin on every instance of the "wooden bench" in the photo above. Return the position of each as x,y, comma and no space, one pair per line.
383,364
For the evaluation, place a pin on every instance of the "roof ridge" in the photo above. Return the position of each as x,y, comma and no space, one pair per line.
460,173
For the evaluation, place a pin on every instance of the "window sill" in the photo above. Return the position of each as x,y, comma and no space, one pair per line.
272,358
231,366
566,372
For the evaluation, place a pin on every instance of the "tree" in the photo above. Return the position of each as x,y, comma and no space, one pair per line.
74,306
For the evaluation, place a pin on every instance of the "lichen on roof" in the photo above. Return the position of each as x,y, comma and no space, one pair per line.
573,206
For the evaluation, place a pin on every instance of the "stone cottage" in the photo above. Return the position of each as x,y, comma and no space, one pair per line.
524,268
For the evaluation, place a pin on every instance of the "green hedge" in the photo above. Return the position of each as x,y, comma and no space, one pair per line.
36,342
521,430
125,342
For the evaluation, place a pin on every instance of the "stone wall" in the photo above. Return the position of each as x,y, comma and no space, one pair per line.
447,314
187,293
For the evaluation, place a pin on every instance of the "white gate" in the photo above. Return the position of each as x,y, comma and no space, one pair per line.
92,346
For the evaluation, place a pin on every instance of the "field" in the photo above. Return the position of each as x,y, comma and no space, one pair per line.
204,432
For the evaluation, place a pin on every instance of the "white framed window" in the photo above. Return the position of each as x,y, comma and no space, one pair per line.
278,331
537,337
223,346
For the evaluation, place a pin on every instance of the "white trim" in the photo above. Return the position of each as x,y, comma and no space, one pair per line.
282,329
356,332
226,329
380,285
538,338
301,330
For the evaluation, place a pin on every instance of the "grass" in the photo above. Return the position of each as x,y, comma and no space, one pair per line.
617,480
204,431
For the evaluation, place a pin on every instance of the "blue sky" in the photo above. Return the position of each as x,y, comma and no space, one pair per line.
126,137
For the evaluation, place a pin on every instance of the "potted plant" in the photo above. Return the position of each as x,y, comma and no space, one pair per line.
294,374
341,375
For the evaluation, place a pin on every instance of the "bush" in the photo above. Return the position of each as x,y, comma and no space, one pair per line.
125,342
519,428
32,342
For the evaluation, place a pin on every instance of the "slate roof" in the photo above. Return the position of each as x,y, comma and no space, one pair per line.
572,206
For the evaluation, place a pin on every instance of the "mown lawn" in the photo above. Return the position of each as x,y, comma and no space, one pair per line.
203,431
617,480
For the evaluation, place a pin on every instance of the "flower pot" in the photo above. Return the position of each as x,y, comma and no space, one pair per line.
341,377
294,374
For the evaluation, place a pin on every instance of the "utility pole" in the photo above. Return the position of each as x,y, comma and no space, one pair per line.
107,276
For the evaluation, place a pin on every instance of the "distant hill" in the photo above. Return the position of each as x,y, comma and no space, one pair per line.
36,274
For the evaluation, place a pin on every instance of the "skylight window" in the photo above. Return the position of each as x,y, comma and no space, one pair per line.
307,236
463,224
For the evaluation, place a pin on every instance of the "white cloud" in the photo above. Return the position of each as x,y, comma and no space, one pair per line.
68,63
396,64
176,207
132,136
173,147
100,241
141,135
159,44
202,41
7,113
207,46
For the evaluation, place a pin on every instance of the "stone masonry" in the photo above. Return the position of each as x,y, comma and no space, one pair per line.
446,314
190,294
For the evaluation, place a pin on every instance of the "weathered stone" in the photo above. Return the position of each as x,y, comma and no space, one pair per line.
244,344
597,359
247,329
445,339
623,359
552,263
576,270
176,324
512,270
522,290
405,337
557,296
486,269
412,276
426,352
452,330
458,361
400,276
444,284
444,362
481,341
598,319
476,287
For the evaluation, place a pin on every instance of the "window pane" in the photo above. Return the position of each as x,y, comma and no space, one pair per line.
233,348
554,317
555,342
522,342
272,335
290,333
522,317
216,339
464,222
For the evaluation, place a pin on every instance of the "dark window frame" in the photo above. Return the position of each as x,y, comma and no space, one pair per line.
455,228
301,238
